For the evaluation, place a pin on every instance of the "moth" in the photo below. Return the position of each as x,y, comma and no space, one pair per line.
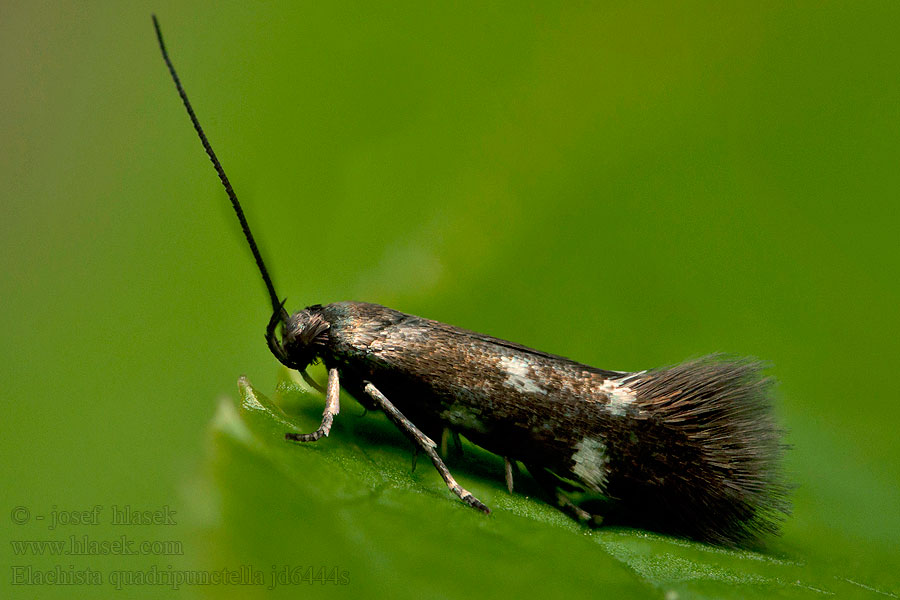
691,449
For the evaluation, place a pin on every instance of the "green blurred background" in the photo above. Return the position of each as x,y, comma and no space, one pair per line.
628,186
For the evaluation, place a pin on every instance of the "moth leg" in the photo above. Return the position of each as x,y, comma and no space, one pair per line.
312,382
457,444
565,503
424,443
509,465
549,482
332,407
446,435
415,458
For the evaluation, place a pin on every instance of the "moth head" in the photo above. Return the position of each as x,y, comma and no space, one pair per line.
303,335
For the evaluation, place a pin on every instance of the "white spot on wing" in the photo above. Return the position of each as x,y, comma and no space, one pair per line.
518,377
620,395
591,463
623,380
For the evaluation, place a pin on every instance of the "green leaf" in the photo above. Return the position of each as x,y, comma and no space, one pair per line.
352,505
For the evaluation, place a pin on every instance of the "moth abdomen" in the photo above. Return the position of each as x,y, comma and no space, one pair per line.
699,453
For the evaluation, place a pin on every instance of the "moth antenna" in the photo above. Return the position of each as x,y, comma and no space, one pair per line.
277,306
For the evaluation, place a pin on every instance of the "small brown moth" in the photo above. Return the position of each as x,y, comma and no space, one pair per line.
691,449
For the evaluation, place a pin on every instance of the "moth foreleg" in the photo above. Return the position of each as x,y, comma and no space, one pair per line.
332,407
424,443
311,382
